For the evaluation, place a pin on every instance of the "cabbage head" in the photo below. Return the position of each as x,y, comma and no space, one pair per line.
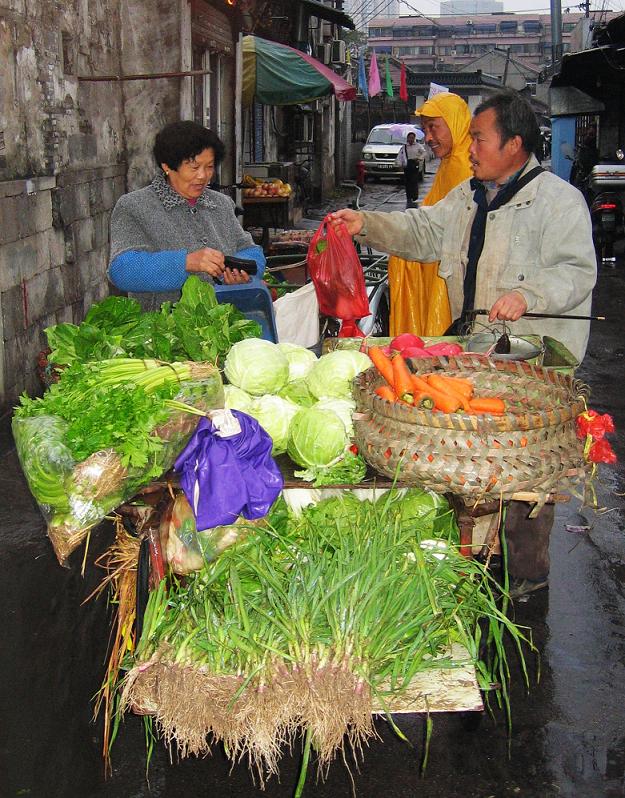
298,392
301,360
423,509
333,374
257,366
274,415
236,399
344,409
316,438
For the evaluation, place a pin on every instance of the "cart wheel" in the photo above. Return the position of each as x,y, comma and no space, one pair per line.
381,323
143,585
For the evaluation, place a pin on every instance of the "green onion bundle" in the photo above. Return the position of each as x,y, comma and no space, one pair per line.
306,628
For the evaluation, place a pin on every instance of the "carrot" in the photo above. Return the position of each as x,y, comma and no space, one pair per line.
488,404
386,392
442,401
382,363
401,378
422,400
445,386
459,385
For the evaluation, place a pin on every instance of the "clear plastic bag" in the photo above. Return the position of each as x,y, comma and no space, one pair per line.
72,496
185,548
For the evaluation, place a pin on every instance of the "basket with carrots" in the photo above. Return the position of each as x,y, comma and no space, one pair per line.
469,425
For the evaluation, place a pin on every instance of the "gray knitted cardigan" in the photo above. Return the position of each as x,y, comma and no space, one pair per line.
157,218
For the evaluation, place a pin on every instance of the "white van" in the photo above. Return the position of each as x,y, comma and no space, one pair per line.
381,148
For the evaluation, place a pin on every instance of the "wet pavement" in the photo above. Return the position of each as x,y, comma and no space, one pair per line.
568,736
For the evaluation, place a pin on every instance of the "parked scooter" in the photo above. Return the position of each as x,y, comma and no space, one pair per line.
603,186
607,186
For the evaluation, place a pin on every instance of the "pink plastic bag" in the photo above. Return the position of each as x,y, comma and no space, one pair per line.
336,271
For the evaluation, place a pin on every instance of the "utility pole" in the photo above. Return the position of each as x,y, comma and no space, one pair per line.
505,68
556,31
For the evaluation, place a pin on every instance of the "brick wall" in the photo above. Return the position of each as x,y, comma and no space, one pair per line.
54,240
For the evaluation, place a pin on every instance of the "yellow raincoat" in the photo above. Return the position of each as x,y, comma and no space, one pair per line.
419,301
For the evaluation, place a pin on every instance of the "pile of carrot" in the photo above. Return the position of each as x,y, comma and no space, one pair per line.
431,391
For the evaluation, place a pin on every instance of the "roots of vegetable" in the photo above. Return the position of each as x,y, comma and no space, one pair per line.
195,709
99,476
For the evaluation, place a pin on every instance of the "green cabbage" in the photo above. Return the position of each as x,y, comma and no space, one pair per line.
423,508
236,399
257,366
298,392
333,374
301,360
316,438
274,415
344,409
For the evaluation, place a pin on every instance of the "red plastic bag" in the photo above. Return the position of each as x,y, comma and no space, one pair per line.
337,273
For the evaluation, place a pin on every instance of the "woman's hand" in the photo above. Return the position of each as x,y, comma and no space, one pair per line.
353,220
235,276
209,261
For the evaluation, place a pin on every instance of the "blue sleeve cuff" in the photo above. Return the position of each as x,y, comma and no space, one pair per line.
254,253
141,271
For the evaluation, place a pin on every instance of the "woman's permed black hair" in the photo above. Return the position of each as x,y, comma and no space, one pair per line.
515,117
180,141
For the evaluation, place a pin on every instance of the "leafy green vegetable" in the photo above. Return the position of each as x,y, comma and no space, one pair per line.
317,438
332,375
274,414
257,366
195,328
301,360
351,470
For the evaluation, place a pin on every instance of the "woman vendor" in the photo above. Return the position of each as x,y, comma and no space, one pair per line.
419,301
177,225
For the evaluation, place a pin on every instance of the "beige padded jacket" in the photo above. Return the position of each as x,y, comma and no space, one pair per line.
539,244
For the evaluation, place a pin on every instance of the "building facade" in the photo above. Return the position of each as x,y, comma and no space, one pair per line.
450,43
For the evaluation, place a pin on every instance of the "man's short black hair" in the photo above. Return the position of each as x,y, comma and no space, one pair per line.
181,141
515,117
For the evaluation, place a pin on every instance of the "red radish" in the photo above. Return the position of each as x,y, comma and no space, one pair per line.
444,350
406,340
415,351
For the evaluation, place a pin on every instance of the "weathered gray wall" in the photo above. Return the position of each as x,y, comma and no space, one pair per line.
68,149
61,171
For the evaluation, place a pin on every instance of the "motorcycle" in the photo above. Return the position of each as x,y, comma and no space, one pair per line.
607,186
603,186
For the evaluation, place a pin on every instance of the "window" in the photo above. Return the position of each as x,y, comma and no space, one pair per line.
424,30
567,27
380,33
426,50
405,51
403,33
532,26
508,26
487,27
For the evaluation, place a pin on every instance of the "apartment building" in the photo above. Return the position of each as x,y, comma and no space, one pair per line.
449,43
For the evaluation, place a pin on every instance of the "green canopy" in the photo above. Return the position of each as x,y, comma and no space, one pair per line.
276,74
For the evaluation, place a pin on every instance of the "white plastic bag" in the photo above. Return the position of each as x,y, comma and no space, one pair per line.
297,316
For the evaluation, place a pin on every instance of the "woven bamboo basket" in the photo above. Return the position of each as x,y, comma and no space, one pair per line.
532,447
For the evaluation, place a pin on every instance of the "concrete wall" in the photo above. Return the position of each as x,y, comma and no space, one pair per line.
69,149
61,171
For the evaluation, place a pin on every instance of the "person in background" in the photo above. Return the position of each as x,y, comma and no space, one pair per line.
408,158
513,239
419,301
177,225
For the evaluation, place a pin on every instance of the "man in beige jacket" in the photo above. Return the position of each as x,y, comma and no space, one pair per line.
534,252
513,239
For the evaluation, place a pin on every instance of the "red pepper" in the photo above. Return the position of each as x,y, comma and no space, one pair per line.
594,424
601,452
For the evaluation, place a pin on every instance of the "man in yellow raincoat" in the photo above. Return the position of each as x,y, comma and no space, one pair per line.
419,301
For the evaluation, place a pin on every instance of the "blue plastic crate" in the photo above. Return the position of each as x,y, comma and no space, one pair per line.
254,302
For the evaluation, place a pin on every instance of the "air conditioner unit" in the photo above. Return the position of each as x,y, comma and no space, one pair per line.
338,51
324,53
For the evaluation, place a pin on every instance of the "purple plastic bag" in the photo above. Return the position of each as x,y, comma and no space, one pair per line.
224,478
